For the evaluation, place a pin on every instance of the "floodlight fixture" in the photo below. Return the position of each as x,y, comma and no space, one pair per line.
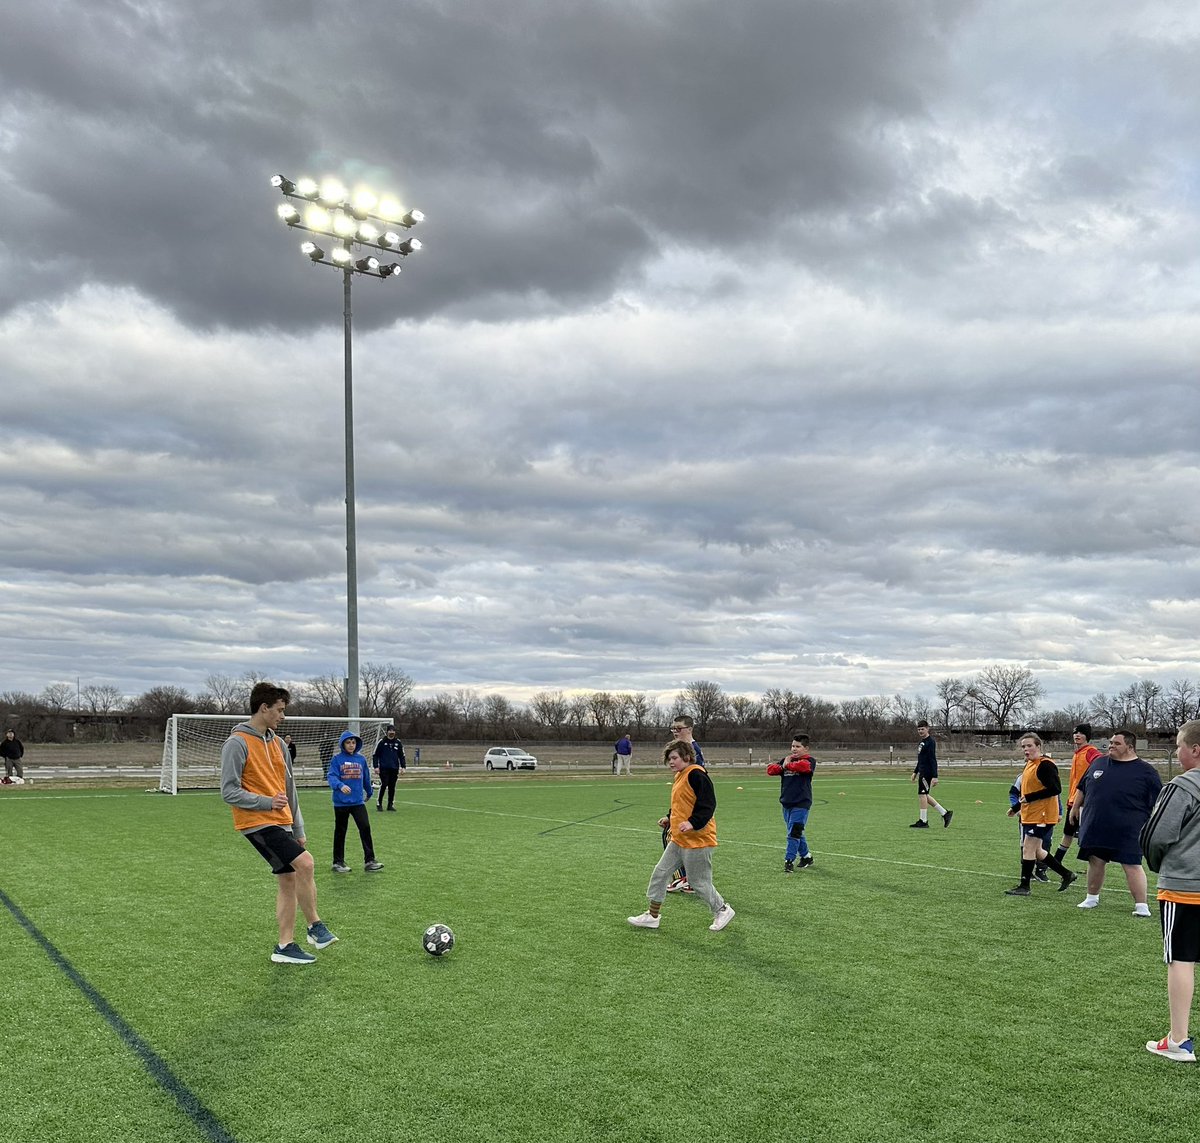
390,271
288,213
285,185
408,246
368,265
317,218
312,250
365,201
341,256
412,218
368,232
343,225
307,188
332,192
389,208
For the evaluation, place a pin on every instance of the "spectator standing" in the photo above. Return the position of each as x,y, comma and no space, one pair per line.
925,774
388,761
1171,841
1112,802
12,752
623,755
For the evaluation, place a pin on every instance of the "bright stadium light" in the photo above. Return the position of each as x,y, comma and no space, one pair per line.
348,222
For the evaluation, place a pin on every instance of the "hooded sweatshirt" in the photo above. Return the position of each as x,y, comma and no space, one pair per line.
254,768
1171,839
349,768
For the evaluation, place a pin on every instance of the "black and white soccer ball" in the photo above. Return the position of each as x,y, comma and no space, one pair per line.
437,940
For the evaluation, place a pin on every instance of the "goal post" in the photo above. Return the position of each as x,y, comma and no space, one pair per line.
192,743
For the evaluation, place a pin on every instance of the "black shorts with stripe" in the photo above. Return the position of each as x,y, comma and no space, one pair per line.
1181,931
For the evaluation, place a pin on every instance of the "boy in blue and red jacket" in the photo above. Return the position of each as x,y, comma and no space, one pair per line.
795,773
350,779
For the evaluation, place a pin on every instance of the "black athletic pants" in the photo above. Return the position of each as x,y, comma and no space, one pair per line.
387,785
341,820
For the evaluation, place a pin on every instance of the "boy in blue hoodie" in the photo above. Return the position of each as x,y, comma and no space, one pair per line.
350,780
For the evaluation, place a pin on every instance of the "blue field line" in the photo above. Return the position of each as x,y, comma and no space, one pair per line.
189,1103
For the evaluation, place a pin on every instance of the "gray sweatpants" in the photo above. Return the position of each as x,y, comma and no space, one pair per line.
697,863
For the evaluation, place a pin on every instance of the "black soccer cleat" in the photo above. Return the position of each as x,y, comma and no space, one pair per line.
1018,891
946,818
806,862
1039,874
1068,881
788,867
919,825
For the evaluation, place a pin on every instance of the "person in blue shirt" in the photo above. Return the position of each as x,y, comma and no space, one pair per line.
925,774
795,774
623,755
1112,804
388,761
349,778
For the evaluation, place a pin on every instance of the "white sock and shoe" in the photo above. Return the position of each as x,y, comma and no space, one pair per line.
1141,909
723,916
1091,901
645,921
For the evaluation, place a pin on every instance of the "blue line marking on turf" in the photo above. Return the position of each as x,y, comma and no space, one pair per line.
207,1123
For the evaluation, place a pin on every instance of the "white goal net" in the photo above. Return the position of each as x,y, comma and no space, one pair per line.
192,747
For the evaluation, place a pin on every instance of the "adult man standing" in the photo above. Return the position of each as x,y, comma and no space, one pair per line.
1171,841
1112,802
12,752
388,761
623,754
925,774
257,782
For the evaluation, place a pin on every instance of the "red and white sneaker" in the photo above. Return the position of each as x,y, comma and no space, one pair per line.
679,885
1186,1052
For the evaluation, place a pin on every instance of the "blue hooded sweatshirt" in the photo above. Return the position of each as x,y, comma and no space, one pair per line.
349,768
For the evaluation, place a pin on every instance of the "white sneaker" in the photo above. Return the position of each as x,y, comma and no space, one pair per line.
724,915
1141,910
1089,903
679,885
644,921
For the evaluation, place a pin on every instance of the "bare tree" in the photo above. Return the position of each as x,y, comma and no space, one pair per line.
704,701
783,707
224,694
550,709
1108,712
469,708
102,698
1145,702
323,695
744,710
1180,702
58,697
500,715
866,717
641,711
903,711
577,712
384,690
950,692
602,708
159,703
1006,693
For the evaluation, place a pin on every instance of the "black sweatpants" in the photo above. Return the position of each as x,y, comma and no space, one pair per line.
341,821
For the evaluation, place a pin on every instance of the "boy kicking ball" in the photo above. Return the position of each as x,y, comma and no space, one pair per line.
693,837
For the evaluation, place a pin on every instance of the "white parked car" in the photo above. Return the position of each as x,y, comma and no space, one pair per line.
509,758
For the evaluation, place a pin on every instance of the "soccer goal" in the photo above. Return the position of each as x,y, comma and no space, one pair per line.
191,756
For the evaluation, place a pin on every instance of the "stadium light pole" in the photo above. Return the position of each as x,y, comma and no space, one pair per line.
349,221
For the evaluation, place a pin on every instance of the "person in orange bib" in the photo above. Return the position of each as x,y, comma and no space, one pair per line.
1037,804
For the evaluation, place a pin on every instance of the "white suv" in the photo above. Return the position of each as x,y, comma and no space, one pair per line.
509,758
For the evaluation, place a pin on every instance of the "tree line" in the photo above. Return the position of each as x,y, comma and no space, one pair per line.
997,699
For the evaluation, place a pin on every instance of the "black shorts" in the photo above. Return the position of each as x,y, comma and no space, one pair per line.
1181,931
278,846
1043,832
924,783
1105,853
1069,830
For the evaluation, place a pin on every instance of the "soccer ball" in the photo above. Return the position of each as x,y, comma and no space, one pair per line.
437,940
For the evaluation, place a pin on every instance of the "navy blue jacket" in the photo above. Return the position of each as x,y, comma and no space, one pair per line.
388,754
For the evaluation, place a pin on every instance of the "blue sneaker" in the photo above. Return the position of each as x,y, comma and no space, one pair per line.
292,954
319,936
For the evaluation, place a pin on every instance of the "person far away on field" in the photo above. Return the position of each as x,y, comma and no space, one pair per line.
257,782
795,773
1112,803
692,836
1037,805
388,761
926,776
681,731
350,780
12,752
623,755
1171,841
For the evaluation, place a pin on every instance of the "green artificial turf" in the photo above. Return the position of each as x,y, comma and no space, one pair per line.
891,992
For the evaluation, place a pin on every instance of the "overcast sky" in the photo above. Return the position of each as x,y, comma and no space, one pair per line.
839,345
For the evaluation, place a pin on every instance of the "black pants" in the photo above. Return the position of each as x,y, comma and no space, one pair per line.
387,785
341,820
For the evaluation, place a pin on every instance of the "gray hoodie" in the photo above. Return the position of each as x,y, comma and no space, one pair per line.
1171,836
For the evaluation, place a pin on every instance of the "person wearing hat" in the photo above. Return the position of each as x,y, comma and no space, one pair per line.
1085,755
